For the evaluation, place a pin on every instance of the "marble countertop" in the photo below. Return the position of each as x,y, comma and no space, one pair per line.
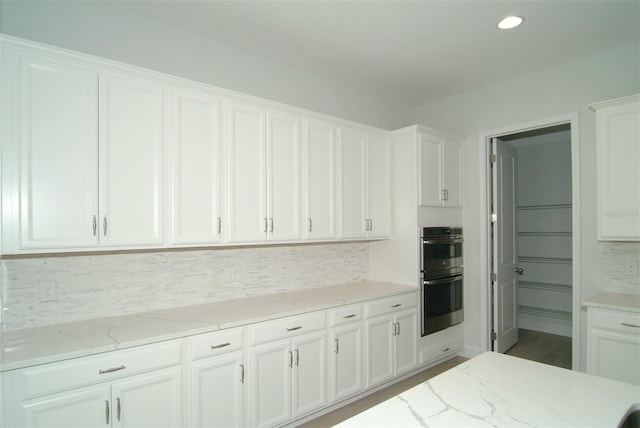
27,347
497,390
616,301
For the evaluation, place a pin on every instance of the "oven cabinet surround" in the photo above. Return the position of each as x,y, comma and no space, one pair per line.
440,170
99,155
391,331
617,136
131,388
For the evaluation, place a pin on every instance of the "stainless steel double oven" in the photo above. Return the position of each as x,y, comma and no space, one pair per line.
442,278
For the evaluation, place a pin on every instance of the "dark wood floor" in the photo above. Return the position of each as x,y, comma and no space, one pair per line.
543,347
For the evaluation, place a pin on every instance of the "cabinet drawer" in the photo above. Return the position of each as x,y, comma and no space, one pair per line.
216,343
286,327
391,304
627,322
76,372
345,315
443,350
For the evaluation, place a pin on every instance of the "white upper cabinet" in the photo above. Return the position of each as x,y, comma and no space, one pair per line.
364,204
131,161
319,196
618,145
54,134
263,160
195,168
440,171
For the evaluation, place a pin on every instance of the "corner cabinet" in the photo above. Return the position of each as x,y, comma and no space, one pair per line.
618,163
364,184
440,180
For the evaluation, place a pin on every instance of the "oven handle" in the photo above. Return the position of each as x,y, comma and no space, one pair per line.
442,241
443,280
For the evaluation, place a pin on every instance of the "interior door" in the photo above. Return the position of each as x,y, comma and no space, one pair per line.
505,283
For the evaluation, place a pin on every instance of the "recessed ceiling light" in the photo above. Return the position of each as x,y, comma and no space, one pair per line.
509,22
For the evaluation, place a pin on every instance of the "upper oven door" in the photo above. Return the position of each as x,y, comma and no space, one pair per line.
441,256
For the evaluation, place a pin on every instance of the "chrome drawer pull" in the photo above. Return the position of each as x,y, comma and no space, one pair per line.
446,349
349,316
106,411
222,345
627,324
298,327
111,370
397,305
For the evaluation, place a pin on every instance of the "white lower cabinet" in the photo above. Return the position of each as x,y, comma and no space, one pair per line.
613,344
390,338
345,352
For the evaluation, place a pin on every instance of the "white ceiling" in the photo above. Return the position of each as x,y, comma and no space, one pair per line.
410,51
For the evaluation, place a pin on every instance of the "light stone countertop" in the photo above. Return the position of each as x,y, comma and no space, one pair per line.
31,346
497,390
616,301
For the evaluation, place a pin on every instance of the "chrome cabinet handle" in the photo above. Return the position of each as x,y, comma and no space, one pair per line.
241,373
106,411
349,316
445,195
297,357
119,409
370,224
104,226
290,359
627,324
111,370
337,345
446,349
298,327
265,225
395,330
222,345
270,224
309,224
219,220
95,225
397,305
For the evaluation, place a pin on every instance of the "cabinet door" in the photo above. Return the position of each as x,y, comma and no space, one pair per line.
217,391
195,169
406,352
150,400
430,185
246,162
310,373
131,161
319,181
351,184
80,408
614,355
346,373
378,186
271,371
57,129
283,182
452,165
379,350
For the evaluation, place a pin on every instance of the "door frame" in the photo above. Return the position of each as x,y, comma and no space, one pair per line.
485,144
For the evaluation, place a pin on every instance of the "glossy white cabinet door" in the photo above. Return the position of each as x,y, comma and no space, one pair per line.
195,168
246,169
56,125
378,186
440,171
379,350
319,193
406,352
217,391
271,376
283,177
452,166
346,357
131,161
149,400
310,373
351,183
79,408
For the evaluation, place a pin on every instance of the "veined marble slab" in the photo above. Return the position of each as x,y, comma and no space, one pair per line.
617,301
27,347
497,390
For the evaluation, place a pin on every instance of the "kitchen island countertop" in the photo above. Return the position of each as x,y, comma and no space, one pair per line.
499,390
40,345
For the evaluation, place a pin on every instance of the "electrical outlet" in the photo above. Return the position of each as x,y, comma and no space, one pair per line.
48,291
631,267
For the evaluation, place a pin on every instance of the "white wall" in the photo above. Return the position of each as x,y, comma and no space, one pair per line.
107,31
552,92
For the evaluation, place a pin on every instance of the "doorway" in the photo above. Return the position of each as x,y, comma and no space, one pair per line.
531,198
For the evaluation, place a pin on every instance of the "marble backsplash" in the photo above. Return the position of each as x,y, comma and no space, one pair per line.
617,258
46,290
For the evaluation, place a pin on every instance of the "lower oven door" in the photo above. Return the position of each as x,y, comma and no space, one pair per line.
441,303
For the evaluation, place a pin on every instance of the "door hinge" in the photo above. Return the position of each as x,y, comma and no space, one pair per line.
494,336
494,217
493,158
494,277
